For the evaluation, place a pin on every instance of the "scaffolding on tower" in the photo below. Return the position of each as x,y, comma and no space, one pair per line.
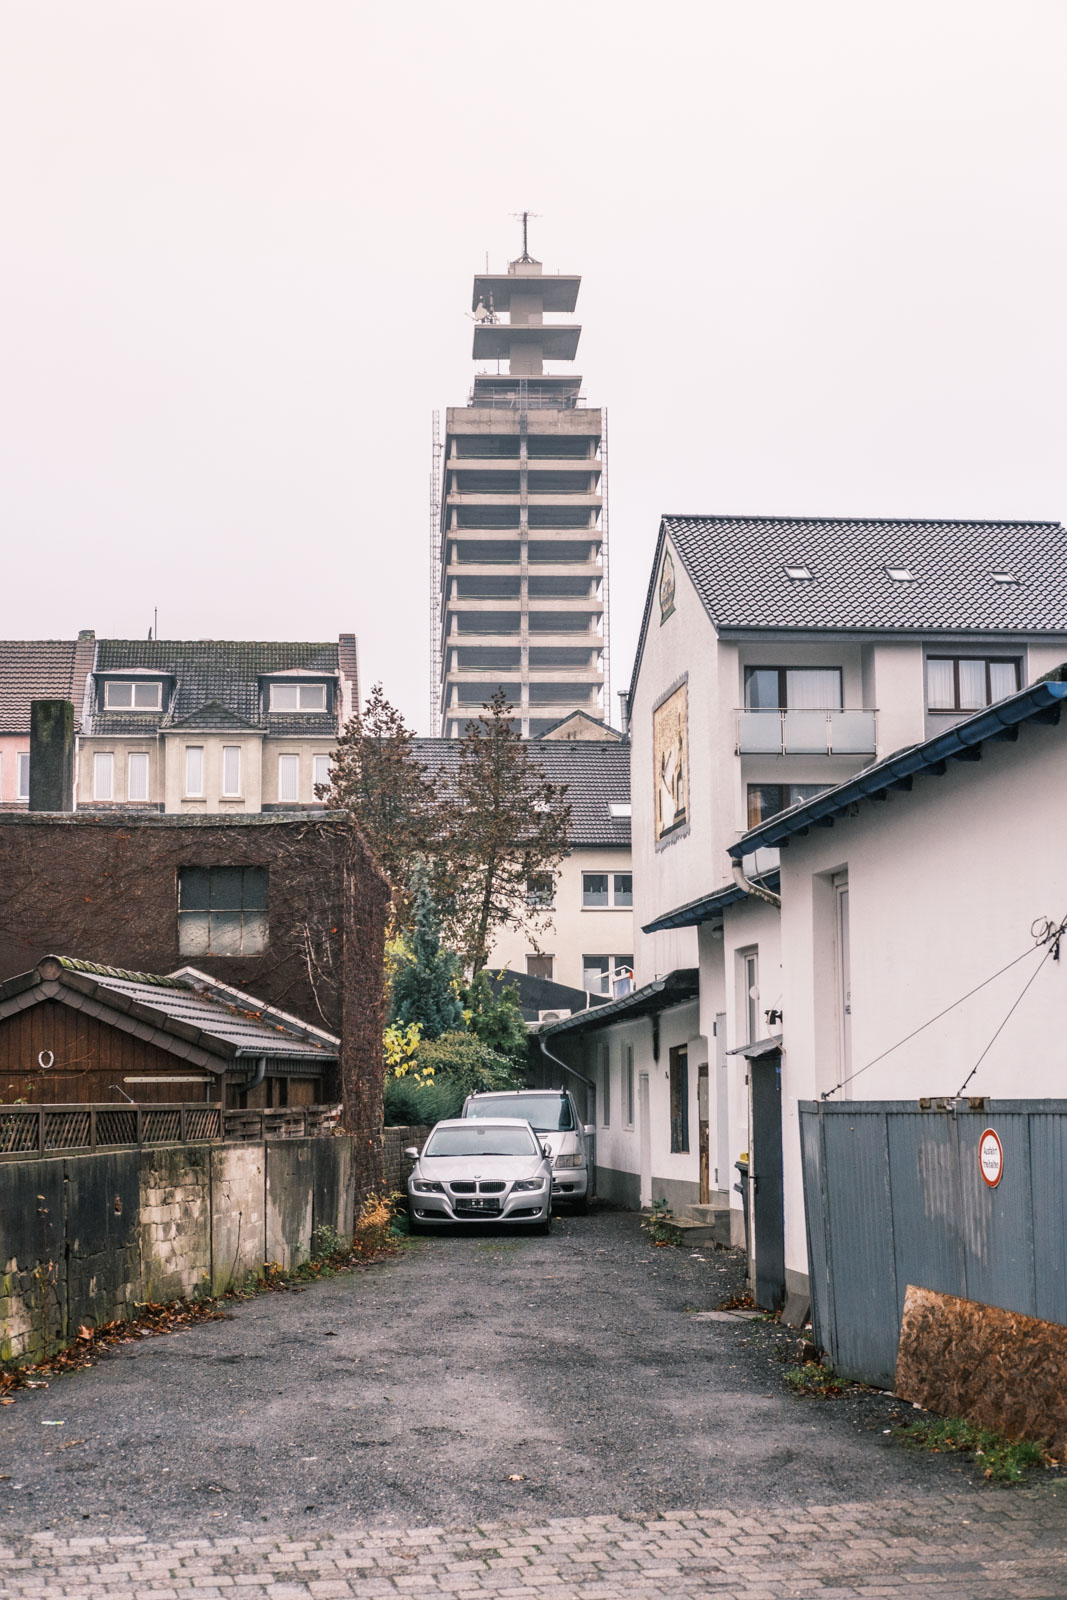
435,576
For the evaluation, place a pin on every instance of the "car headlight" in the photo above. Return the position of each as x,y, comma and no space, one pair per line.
421,1187
568,1161
525,1184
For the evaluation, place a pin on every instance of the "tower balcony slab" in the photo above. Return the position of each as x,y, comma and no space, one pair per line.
496,341
556,291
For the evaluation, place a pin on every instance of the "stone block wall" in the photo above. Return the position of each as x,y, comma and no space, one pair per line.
397,1164
89,1238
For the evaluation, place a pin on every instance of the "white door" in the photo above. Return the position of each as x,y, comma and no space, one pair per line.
644,1139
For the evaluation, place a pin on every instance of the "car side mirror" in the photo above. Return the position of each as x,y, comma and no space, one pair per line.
412,1151
546,1149
589,1130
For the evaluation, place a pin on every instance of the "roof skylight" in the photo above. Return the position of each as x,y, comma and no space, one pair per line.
618,809
1000,576
798,571
899,574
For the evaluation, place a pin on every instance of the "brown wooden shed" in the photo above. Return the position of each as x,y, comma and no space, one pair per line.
74,1032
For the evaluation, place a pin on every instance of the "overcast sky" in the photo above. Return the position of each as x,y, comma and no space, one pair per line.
822,247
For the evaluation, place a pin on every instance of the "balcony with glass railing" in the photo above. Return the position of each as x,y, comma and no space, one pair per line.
780,732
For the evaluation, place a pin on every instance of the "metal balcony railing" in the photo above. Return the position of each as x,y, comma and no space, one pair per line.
789,733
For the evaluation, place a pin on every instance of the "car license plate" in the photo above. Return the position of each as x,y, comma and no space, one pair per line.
476,1205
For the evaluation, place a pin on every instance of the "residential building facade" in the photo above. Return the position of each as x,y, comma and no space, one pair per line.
585,936
34,669
520,575
778,659
185,726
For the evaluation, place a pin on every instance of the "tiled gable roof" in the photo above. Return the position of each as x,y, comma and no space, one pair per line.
223,1020
34,669
737,566
220,673
596,773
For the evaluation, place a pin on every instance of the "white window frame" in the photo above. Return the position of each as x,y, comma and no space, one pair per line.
22,775
302,691
539,955
189,792
611,904
750,1003
605,1085
133,684
288,756
628,1085
103,764
317,763
133,760
234,792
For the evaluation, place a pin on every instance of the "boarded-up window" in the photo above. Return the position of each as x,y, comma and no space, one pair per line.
222,911
679,1099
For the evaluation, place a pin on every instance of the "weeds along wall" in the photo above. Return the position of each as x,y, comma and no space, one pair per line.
86,1239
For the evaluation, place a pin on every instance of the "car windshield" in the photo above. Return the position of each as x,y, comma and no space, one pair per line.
548,1113
487,1141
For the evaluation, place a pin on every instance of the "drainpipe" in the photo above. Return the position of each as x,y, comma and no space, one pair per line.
256,1079
755,889
590,1088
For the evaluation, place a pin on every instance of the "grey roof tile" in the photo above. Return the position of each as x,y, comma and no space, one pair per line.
595,771
242,1024
216,673
33,669
737,565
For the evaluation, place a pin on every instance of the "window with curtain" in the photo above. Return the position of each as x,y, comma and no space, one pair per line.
793,689
231,770
103,775
137,775
194,770
967,683
288,777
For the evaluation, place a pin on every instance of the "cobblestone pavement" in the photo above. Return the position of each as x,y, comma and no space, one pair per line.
974,1545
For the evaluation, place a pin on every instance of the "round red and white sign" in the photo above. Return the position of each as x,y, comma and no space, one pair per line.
990,1158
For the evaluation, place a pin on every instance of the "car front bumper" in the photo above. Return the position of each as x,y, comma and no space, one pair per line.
530,1206
570,1183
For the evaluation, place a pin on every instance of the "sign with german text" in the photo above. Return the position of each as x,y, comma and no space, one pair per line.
990,1158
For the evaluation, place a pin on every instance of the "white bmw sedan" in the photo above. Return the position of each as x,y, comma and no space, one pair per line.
481,1171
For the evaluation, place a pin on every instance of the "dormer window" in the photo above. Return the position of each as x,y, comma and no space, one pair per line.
132,696
298,697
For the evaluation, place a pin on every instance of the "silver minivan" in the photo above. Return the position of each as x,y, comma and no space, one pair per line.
553,1116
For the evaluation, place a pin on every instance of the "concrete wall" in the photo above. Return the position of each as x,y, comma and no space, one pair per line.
88,1238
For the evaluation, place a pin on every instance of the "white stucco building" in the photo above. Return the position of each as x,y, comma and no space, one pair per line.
779,658
583,930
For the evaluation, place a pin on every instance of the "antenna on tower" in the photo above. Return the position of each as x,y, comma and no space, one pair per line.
524,218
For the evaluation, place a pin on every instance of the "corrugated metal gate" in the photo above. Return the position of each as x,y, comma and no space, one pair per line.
895,1195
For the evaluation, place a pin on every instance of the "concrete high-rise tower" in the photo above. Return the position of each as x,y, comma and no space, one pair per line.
520,538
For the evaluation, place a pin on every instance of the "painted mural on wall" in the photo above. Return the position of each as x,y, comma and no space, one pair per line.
670,754
666,588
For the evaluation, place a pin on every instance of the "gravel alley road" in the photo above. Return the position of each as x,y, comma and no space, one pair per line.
474,1380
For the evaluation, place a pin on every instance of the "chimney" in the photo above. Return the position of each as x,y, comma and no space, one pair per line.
348,665
51,755
624,713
